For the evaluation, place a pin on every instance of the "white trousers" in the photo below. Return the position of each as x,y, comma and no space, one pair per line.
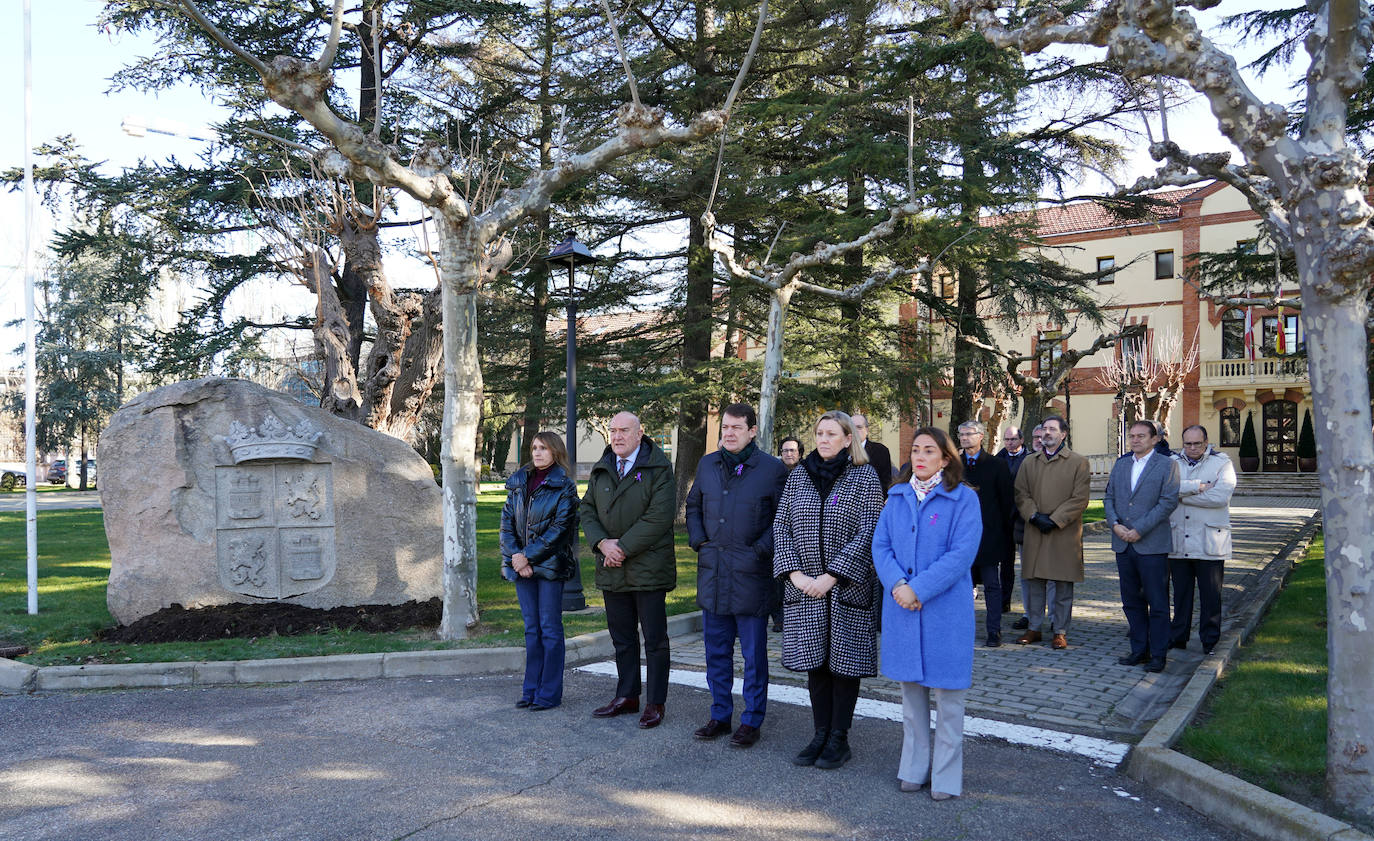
945,770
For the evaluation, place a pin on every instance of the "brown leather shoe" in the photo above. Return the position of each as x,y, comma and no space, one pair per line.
744,736
1060,642
1028,637
617,706
652,717
710,730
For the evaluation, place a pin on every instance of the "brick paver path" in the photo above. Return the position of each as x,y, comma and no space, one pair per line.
1083,689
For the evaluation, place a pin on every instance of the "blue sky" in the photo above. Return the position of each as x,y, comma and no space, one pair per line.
72,62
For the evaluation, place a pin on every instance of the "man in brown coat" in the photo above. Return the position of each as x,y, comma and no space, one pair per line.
1052,489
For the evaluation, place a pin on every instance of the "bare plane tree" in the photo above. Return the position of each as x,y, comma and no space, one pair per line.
786,280
1037,390
471,243
1309,186
1151,377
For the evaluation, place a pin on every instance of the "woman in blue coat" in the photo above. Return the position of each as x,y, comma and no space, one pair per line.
538,537
923,549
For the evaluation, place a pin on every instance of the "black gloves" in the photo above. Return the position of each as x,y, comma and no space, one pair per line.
1043,522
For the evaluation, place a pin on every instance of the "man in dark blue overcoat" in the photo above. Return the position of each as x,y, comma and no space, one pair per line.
730,526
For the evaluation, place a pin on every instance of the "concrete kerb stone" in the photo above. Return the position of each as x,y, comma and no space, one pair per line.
1220,796
16,677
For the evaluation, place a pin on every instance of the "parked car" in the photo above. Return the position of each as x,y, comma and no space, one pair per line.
57,472
12,475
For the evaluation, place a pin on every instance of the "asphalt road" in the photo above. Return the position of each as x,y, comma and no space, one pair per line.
451,758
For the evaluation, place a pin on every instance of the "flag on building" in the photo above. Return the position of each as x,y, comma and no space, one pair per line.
1281,340
1250,333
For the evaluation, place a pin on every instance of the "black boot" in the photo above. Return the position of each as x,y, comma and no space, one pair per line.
810,752
836,751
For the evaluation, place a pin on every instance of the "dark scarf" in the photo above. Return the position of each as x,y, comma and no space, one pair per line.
824,473
537,478
732,461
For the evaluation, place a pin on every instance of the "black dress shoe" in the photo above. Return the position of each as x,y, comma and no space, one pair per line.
836,751
744,736
1156,664
994,641
522,703
1208,649
652,717
711,730
617,706
537,707
811,751
1133,659
1177,644
1020,624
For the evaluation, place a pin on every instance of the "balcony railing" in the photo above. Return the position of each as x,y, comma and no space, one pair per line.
1245,370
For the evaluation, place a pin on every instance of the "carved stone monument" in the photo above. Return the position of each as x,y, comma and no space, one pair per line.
221,491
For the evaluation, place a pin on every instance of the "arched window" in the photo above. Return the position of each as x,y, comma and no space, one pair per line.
1230,427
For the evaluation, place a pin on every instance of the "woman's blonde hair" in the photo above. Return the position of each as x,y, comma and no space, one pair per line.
857,454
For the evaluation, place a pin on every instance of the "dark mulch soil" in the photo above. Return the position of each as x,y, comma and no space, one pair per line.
177,624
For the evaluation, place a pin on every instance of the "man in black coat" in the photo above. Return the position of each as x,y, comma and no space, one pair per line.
1013,453
878,455
730,512
990,477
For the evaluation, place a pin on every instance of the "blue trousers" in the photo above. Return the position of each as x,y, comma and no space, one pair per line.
541,606
1145,600
719,632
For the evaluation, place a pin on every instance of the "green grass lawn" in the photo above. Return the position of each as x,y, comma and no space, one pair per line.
1094,512
74,566
1266,720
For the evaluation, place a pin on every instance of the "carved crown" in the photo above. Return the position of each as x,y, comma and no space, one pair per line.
272,439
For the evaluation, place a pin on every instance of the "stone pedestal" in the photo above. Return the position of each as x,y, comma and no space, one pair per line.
219,491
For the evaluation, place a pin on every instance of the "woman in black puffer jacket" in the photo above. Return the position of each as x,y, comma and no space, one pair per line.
538,553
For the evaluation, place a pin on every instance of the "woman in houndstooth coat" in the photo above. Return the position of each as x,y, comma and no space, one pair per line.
822,550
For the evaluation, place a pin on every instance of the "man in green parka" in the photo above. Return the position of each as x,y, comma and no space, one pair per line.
627,518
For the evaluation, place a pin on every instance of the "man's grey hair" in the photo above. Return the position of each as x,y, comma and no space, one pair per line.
975,426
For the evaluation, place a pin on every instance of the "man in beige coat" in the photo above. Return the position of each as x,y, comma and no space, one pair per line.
1052,491
1201,527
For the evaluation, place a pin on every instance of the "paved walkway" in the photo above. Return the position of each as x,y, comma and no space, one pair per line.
1083,689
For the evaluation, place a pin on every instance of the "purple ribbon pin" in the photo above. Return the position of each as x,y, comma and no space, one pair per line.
739,470
933,518
638,475
835,500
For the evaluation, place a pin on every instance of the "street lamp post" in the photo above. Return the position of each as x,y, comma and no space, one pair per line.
572,253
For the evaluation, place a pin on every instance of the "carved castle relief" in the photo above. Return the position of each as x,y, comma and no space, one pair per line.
274,535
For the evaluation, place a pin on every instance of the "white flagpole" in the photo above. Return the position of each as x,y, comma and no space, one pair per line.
30,356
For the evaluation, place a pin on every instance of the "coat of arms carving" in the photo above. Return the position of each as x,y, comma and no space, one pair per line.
275,521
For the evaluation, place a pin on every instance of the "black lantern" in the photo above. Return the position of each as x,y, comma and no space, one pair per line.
572,254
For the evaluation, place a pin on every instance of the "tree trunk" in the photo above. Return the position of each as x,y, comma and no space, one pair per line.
1032,407
333,339
462,413
961,382
420,368
696,316
1335,323
696,356
778,302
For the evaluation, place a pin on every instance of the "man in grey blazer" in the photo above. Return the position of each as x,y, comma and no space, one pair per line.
1142,492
